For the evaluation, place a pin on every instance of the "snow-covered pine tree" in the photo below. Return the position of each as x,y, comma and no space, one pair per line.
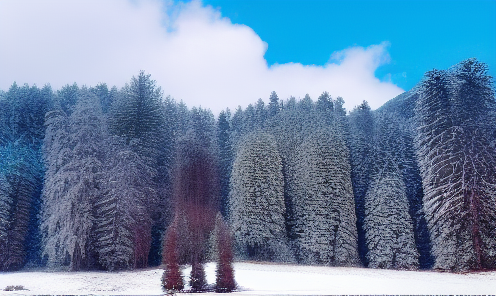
388,226
21,122
274,106
137,114
74,160
458,166
257,199
361,123
225,158
324,207
123,224
18,181
67,98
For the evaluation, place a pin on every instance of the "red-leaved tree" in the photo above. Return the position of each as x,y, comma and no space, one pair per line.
224,274
172,279
195,200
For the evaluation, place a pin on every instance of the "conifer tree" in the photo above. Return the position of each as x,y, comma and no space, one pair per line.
74,157
257,199
225,157
361,125
274,107
457,166
123,225
324,208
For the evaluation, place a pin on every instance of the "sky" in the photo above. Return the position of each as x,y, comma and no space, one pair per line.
224,53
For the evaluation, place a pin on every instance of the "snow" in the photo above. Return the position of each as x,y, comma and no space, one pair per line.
257,279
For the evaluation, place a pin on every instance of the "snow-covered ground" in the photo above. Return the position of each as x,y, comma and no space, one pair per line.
257,279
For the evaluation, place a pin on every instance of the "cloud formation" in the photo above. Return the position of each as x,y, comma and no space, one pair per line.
192,52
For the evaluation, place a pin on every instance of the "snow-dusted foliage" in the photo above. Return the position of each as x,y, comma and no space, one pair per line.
225,158
361,131
458,166
123,227
74,156
22,111
324,207
388,225
17,185
257,199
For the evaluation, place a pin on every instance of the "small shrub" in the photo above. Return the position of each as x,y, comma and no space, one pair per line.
14,288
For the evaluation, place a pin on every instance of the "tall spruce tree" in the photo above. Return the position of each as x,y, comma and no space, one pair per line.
123,224
257,200
388,226
22,131
361,126
74,158
225,157
324,207
458,166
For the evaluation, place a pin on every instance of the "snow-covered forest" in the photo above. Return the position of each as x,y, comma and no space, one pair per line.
99,178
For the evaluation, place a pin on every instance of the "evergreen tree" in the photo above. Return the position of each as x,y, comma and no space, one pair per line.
18,181
225,158
257,199
457,166
74,158
123,227
361,125
23,110
260,114
388,226
274,107
67,98
324,208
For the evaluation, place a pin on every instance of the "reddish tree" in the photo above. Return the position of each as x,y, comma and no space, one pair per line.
172,279
224,274
195,200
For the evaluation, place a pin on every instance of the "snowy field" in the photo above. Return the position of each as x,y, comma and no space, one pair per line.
259,279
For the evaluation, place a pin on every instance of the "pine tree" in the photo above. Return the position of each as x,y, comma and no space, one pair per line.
18,183
225,158
457,166
324,208
257,199
67,98
361,125
390,244
388,226
123,223
74,158
274,107
23,110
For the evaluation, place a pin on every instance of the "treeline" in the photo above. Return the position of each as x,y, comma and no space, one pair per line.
99,178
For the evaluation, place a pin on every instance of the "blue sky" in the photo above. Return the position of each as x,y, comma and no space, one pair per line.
422,34
229,53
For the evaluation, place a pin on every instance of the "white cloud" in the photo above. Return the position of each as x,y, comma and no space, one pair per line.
191,51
